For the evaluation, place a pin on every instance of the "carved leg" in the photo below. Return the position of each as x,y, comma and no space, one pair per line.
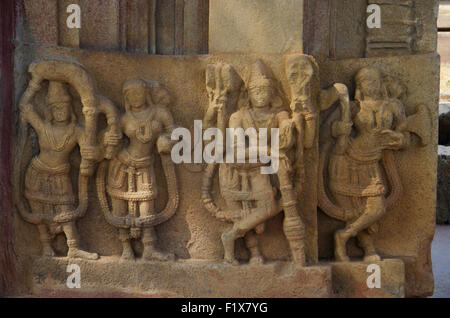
251,241
228,240
374,210
366,243
127,250
151,253
73,242
119,208
46,239
149,237
44,234
264,211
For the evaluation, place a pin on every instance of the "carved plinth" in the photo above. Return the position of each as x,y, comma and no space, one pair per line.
107,277
350,279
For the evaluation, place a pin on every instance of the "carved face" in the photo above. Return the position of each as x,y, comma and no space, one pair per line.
299,74
136,97
161,97
61,111
260,95
370,86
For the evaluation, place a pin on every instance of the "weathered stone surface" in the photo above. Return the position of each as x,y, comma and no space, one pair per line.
183,279
256,76
257,26
408,228
443,191
350,279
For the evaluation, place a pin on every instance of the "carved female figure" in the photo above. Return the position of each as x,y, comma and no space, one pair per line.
131,181
369,129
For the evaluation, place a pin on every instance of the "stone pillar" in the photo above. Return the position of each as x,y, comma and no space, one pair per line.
255,26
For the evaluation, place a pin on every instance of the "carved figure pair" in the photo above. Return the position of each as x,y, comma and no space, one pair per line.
131,181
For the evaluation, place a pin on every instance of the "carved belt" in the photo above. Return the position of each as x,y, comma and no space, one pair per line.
40,166
131,196
125,157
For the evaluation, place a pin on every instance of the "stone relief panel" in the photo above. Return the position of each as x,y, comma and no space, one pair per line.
147,207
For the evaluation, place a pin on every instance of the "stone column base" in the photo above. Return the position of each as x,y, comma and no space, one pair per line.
108,277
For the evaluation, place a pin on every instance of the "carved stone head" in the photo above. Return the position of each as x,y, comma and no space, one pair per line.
136,94
59,102
299,72
369,84
261,87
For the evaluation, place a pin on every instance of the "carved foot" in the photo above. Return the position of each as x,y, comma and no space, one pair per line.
299,258
127,253
372,258
151,254
340,248
48,251
77,253
256,260
233,261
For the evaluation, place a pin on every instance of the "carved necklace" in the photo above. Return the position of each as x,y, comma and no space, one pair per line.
143,131
264,122
49,132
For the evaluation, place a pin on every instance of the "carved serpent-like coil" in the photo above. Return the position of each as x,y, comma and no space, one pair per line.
130,221
341,214
77,76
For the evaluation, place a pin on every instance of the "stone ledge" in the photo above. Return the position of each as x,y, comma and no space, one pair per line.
350,279
109,277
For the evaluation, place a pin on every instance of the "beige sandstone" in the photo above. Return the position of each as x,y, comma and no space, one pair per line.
358,140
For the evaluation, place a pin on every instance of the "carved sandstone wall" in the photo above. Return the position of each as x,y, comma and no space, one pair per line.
172,43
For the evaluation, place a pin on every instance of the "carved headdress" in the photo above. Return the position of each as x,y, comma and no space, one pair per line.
261,75
155,93
58,93
368,73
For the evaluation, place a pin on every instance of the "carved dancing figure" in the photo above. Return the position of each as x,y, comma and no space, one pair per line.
250,195
357,147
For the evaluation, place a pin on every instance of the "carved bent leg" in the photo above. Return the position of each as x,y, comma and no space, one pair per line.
119,208
149,238
251,241
73,242
264,211
374,209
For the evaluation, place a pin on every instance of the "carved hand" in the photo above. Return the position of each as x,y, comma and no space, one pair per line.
112,139
389,139
341,128
164,144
